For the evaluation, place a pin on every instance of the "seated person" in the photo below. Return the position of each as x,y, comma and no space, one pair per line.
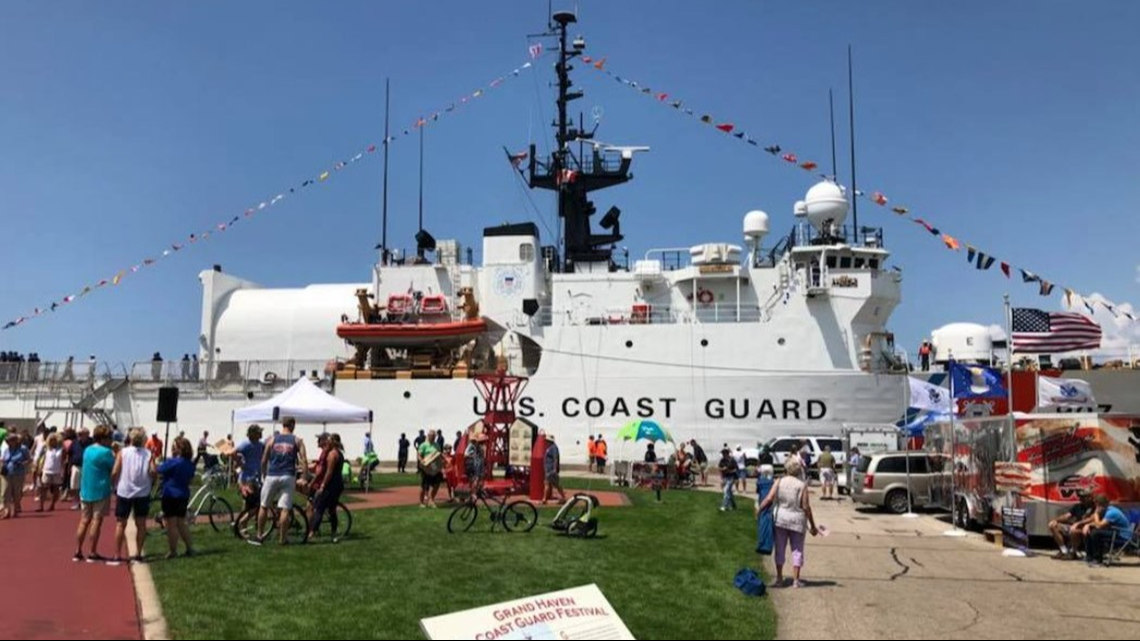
1068,529
1110,527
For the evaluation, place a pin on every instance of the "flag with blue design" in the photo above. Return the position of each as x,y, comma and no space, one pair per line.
971,381
929,397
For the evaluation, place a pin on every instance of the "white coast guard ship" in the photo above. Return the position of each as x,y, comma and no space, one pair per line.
720,342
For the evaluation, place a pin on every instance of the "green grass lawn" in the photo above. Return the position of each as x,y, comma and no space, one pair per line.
666,568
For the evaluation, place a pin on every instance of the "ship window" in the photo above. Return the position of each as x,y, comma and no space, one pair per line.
704,342
782,341
873,263
526,252
629,344
407,394
831,262
858,263
845,262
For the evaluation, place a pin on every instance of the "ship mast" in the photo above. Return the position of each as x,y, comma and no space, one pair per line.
573,178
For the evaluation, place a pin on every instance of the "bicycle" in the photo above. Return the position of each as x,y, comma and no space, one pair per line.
515,516
341,514
207,504
245,527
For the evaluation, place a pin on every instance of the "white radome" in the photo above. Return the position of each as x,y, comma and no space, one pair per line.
826,203
757,224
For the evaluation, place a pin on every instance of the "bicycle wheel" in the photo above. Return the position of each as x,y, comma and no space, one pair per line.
245,525
520,516
298,526
462,518
343,522
220,513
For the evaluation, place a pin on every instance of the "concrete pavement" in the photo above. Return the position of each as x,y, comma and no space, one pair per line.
880,576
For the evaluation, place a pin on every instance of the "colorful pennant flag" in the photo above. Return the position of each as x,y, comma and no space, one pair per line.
951,242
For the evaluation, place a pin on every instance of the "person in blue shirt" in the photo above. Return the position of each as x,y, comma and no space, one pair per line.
250,452
14,466
94,493
1110,527
177,472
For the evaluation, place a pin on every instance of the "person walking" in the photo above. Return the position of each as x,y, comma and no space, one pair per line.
177,472
552,467
728,477
332,486
134,473
765,522
94,494
790,500
402,454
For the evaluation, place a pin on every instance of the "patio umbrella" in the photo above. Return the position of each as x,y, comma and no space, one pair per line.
645,431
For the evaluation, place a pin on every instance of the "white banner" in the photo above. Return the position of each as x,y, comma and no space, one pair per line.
578,613
925,396
1065,394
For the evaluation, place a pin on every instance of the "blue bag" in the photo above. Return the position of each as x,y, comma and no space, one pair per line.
750,583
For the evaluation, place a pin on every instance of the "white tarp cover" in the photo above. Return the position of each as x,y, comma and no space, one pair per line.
306,403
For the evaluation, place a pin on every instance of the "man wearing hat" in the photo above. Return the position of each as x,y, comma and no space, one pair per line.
249,453
475,460
552,462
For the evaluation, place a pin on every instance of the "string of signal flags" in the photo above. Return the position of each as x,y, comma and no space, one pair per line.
979,259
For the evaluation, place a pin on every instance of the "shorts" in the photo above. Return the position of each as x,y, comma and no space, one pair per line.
51,481
553,479
13,488
76,477
252,495
430,481
93,509
828,476
139,506
278,490
173,508
742,474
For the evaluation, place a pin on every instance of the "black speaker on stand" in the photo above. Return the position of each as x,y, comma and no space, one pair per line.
167,410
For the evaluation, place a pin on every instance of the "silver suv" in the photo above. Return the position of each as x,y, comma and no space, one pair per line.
881,480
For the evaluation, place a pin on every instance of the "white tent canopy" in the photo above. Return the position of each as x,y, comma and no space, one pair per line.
305,403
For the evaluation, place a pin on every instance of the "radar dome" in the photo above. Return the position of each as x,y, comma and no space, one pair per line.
756,225
826,204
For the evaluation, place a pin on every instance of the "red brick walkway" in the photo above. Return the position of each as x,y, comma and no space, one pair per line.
46,595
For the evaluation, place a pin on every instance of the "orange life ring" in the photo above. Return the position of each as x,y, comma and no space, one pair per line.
705,297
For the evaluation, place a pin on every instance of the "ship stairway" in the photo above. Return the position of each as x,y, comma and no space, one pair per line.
88,406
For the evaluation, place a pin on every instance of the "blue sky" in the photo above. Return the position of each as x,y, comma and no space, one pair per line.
128,125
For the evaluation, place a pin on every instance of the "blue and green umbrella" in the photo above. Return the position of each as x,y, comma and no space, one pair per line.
643,430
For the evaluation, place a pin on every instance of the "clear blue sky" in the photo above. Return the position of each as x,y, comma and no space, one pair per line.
128,125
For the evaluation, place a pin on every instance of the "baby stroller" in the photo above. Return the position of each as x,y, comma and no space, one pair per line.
576,518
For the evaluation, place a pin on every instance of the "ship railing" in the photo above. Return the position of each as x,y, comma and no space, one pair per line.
699,313
227,377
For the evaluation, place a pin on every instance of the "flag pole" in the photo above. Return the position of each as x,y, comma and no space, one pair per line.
906,406
953,532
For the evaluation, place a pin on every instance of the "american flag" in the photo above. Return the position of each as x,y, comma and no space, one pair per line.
1038,332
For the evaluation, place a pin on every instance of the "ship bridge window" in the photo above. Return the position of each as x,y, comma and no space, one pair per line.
859,263
873,263
832,261
526,253
845,262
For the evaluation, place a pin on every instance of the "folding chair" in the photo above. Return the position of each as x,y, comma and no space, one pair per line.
1119,548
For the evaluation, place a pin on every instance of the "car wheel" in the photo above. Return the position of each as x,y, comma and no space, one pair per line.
897,502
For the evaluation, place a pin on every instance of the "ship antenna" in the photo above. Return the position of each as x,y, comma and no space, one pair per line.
422,179
851,106
834,164
383,247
